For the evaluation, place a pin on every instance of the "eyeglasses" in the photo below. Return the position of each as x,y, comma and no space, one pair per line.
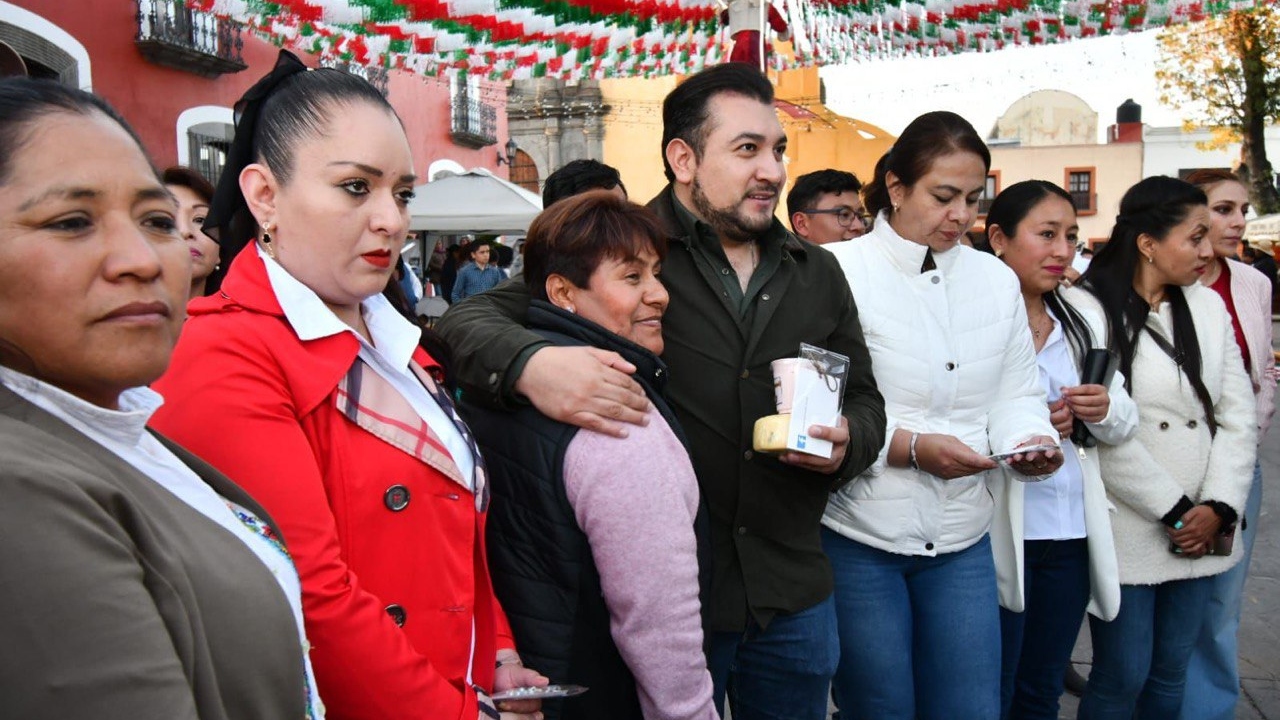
844,215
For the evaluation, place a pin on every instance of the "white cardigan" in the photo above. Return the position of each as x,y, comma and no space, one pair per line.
1172,454
1251,295
951,353
1007,527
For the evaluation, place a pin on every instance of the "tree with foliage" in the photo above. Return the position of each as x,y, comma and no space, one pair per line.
1226,71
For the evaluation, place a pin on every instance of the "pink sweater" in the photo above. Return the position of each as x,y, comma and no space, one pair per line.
636,499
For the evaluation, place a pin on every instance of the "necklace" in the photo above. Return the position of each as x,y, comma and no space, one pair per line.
1041,321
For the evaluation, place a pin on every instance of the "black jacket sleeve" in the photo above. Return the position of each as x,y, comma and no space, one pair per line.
489,344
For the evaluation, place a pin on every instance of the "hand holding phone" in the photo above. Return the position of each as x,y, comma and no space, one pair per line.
539,693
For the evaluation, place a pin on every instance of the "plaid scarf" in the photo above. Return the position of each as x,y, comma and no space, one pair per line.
368,400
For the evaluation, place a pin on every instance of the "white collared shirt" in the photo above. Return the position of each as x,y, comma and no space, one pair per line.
1054,508
394,341
124,433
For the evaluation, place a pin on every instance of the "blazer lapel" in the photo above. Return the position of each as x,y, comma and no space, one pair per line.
374,405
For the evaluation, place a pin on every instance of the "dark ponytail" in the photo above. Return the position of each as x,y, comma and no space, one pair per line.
1152,207
1007,212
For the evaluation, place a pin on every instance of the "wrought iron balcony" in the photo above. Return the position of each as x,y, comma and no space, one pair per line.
1085,201
377,76
475,123
171,34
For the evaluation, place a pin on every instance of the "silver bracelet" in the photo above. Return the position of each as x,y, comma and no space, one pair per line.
911,452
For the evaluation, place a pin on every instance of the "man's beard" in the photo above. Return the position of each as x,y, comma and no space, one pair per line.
731,222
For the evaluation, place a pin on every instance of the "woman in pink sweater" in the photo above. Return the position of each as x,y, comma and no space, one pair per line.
595,540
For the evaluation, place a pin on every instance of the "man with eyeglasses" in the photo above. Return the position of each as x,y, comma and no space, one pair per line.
824,207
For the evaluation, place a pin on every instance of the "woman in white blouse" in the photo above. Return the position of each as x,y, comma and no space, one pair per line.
1052,539
952,355
139,581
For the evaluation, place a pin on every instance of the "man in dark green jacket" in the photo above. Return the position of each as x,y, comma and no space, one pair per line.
744,292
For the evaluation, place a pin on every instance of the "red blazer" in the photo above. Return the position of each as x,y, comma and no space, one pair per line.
244,393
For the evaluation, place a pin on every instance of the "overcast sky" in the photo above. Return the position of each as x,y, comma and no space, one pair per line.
981,86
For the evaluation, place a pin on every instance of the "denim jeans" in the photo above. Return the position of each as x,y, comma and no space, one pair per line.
919,636
1213,679
1140,658
781,672
1037,642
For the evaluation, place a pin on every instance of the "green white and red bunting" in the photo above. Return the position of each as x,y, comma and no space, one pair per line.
571,39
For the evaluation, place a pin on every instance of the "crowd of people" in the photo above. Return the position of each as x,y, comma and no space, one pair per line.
241,480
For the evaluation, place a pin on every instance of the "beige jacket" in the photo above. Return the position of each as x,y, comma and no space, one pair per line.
120,601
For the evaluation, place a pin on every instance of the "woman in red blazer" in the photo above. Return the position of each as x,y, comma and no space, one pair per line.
304,384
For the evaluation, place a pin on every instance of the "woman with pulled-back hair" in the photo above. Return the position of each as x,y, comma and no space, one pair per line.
304,382
1213,678
139,581
952,354
1052,539
1180,483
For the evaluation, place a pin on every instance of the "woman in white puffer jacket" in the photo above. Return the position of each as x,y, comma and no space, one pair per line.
1181,482
952,355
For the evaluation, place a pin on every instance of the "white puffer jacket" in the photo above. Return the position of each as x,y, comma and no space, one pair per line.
952,354
1172,453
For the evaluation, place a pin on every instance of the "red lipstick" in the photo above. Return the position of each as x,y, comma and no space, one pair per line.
380,259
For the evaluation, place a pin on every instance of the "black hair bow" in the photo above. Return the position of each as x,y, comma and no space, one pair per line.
228,201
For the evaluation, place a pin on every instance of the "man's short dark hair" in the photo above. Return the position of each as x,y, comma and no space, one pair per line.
684,111
577,177
810,186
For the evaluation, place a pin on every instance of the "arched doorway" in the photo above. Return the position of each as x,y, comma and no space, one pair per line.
525,173
48,51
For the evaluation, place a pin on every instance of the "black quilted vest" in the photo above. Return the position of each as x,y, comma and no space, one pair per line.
540,560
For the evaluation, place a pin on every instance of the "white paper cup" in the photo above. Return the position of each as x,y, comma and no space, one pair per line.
784,381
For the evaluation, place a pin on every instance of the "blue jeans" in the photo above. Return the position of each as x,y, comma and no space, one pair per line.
919,636
1213,680
1037,642
1140,658
781,672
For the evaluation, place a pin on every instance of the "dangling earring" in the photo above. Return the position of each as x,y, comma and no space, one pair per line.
266,240
1151,259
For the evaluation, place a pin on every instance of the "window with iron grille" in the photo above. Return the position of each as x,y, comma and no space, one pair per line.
208,144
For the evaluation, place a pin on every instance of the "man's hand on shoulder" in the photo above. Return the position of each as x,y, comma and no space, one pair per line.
585,386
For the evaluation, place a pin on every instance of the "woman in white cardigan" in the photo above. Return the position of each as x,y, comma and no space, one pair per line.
1052,539
1180,483
915,586
1213,679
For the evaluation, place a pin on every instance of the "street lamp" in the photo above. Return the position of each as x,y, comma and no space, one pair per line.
510,157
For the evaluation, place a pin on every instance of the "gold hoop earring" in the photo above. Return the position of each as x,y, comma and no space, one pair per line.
266,240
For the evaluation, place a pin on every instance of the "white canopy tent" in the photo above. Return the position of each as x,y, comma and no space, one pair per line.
1263,231
474,202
